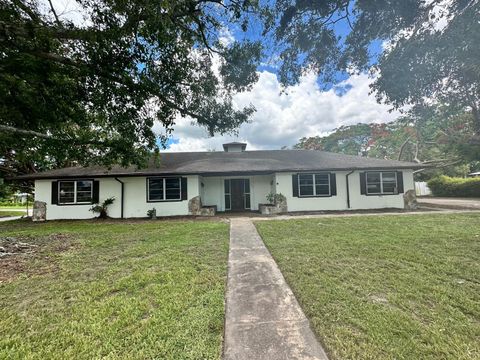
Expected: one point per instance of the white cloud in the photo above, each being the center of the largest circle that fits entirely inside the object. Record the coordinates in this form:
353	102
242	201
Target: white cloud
282	119
226	37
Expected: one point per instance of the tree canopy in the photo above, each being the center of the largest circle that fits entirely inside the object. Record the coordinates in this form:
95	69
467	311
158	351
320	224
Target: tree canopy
437	138
430	48
92	91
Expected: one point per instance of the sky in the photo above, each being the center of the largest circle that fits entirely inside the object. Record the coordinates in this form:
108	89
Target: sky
308	108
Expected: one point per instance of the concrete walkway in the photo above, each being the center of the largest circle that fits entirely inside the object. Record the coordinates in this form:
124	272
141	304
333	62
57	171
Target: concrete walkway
263	318
9	218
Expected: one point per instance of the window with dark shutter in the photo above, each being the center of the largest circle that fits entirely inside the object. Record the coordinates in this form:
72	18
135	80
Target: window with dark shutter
165	189
381	183
400	182
74	192
54	192
333	184
295	185
314	185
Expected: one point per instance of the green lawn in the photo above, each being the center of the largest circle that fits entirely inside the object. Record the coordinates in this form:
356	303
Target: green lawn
6	213
385	287
93	289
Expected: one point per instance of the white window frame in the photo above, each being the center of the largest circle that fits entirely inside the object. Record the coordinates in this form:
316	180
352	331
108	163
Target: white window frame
164	179
245	194
229	193
75	192
395	190
314	175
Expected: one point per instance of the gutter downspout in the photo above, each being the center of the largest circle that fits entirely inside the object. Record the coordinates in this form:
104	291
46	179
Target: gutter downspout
121	200
348	188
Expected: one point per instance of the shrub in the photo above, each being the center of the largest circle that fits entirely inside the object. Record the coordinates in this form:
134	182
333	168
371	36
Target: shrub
275	199
450	186
102	208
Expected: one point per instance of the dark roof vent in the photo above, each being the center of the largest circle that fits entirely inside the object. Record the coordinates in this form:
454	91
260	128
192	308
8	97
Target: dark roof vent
234	147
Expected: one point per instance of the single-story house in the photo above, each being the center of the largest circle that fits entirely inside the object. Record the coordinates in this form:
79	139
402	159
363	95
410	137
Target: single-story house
183	183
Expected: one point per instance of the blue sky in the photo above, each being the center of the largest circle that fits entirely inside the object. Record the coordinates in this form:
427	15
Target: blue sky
307	109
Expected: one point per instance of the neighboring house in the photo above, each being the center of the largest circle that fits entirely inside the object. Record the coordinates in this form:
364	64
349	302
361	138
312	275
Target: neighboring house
232	180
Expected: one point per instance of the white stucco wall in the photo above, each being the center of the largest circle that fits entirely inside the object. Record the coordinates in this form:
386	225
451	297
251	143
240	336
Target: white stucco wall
108	187
135	199
214	191
283	184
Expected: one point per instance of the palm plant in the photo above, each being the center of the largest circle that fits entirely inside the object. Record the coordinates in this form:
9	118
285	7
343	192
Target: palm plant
102	208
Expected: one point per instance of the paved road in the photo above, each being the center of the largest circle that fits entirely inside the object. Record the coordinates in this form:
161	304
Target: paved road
450	203
263	318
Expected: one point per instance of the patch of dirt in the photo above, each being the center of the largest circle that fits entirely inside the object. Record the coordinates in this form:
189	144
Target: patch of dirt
29	255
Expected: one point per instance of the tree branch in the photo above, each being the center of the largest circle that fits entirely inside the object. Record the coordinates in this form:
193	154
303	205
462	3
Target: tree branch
27	10
11	129
54	13
6	128
402	148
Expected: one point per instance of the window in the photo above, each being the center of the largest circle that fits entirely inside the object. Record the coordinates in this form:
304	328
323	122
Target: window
379	182
314	185
75	192
164	189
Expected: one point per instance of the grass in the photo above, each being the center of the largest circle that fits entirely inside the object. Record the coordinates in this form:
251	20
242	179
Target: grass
6	213
385	287
117	290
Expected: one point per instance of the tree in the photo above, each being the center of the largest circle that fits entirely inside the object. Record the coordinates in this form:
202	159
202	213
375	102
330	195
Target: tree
431	48
434	138
75	93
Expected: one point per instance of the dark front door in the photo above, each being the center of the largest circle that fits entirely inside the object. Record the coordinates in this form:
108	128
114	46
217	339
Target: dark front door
238	192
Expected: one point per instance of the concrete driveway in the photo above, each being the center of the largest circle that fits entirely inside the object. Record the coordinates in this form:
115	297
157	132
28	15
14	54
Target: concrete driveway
450	203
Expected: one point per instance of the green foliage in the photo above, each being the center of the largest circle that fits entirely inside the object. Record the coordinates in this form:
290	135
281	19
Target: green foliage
274	198
422	62
102	209
456	187
152	213
80	94
435	135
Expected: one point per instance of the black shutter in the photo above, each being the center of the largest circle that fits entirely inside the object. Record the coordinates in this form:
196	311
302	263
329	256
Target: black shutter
54	192
333	184
400	182
96	192
184	189
295	185
363	183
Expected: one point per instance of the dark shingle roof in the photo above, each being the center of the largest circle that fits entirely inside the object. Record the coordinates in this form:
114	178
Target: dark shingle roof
212	163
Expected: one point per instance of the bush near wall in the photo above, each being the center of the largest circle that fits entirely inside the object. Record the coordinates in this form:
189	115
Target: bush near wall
453	186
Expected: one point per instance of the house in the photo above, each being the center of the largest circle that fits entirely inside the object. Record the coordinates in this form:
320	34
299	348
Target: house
231	180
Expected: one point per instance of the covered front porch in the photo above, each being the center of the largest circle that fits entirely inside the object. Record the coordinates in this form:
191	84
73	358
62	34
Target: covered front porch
235	193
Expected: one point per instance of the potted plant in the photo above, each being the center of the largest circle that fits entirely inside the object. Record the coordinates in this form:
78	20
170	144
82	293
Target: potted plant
152	214
277	203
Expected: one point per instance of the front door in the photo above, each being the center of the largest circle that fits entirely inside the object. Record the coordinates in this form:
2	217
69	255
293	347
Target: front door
237	186
237	192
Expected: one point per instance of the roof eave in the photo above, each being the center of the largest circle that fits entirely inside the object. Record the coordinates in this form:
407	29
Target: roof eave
212	173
